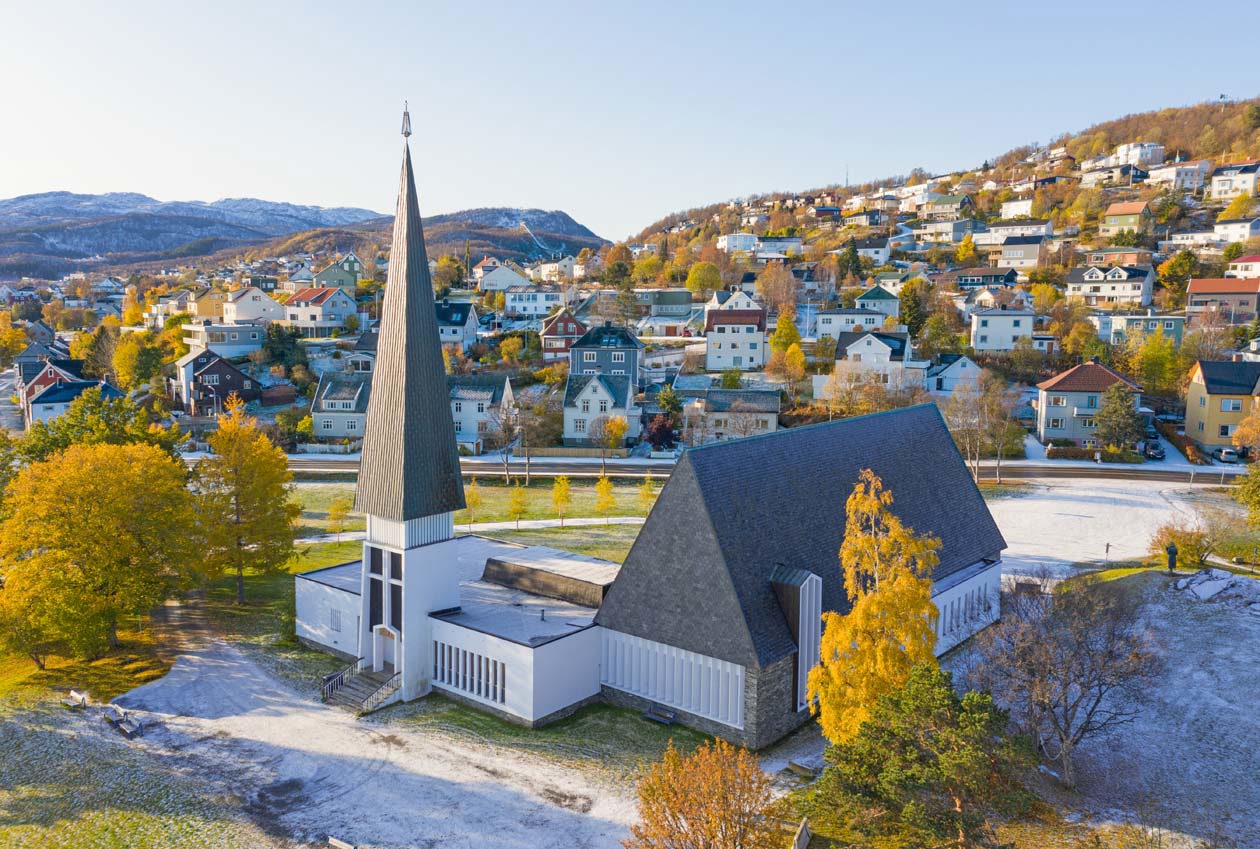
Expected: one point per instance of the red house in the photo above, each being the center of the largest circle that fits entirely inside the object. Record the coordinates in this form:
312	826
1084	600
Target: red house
559	332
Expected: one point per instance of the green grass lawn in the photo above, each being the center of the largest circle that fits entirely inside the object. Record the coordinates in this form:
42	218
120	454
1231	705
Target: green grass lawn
608	542
315	499
598	736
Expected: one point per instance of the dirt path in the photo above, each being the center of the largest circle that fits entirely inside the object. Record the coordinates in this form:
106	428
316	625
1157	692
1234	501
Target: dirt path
307	771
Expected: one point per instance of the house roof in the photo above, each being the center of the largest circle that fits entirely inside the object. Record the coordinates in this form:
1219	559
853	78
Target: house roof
453	313
409	467
741	400
1013	241
617	386
1233	377
877	293
1003	310
1001	273
1132	207
562	314
476	387
608	335
313	296
1131	272
699	575
1087	377
345	386
898	342
1223	286
1247	258
1236	168
716	317
66	391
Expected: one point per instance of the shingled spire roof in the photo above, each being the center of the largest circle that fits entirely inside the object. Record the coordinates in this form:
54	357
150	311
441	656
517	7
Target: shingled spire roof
410	466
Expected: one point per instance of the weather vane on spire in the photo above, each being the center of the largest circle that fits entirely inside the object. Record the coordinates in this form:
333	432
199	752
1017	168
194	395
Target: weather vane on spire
406	127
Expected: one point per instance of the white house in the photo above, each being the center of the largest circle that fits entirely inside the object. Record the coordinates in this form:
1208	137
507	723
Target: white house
1245	266
998	329
1230	181
588	398
477	403
1021	208
730	299
554	271
533	301
949	371
1186	176
1237	229
832	323
229	340
251	304
457	323
882	357
737	243
318	312
878	299
339	409
1131	285
735	339
500	278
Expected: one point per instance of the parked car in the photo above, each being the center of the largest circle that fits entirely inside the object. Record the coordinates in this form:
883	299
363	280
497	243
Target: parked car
1151	432
1153	451
1226	455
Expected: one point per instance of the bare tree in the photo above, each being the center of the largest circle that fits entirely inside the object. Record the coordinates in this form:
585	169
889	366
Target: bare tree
540	424
966	423
997	414
501	433
1070	663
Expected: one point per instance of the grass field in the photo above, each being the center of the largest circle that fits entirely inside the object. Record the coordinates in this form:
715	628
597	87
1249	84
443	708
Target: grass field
609	542
316	498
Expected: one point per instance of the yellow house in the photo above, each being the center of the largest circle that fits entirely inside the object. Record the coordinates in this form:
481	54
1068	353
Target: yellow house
1220	395
208	303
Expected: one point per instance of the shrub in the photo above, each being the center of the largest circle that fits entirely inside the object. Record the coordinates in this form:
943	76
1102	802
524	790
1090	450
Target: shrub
1109	455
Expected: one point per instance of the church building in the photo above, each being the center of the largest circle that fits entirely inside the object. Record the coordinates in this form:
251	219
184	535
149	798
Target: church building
715	616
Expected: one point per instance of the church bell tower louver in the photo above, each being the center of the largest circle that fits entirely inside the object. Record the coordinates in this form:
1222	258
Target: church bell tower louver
409	477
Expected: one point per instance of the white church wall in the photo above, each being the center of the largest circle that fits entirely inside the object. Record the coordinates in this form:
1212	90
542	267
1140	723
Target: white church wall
700	685
566	671
326	616
967	606
483	668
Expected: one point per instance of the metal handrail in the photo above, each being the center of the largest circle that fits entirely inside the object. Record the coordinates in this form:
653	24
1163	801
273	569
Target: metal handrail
334	681
373	701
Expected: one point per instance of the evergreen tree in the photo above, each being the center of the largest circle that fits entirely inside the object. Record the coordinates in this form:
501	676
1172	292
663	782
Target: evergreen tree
914	306
1117	420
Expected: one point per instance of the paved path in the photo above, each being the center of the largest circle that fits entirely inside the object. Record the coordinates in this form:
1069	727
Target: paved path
307	770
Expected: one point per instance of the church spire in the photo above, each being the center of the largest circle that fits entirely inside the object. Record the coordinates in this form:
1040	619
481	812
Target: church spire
410	466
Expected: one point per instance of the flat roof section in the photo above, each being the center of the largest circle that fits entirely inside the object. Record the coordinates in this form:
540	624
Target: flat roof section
515	615
345	576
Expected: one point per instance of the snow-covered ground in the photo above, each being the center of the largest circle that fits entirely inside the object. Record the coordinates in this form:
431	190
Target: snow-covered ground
1060	522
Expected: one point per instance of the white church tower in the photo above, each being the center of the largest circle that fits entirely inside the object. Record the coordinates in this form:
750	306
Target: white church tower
409	479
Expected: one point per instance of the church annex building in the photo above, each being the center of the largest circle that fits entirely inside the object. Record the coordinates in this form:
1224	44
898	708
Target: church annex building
715	614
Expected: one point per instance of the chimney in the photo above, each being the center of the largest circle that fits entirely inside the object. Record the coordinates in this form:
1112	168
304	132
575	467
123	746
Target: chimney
1094	360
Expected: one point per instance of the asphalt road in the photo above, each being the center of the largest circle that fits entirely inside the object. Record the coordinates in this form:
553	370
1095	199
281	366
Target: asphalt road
551	466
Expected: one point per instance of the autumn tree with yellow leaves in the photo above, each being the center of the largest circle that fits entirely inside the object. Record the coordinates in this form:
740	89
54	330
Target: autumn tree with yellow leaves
869	652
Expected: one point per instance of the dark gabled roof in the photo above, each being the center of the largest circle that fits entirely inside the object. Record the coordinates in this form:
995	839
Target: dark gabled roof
565	314
60	393
877	293
28	370
741	400
1229	378
1023	240
476	387
453	313
1131	272
617	385
699	575
1236	168
367	339
345	386
608	335
410	465
898	342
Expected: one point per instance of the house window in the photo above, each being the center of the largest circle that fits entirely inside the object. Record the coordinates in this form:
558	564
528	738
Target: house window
579	425
459	407
1088	424
327	425
1226	430
1231	405
586	405
481	406
603	405
619	356
212	380
588	356
1202	400
351	424
1091	401
1055	424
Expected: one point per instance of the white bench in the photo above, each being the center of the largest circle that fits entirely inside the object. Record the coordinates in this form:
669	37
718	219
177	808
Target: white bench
76	700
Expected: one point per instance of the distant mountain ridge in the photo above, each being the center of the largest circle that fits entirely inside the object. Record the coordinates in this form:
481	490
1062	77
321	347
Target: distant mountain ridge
49	234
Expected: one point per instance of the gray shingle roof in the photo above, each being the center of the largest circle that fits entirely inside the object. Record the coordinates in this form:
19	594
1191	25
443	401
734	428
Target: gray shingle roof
618	386
409	465
1230	377
345	386
476	387
608	335
698	576
742	400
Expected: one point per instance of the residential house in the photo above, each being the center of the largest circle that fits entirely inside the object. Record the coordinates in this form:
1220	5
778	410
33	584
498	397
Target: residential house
950	371
554	271
735	339
607	349
1021	208
501	278
559	331
990	297
883	357
228	340
734	298
1237	229
1022	252
300	277
714	414
590	399
318	313
207	303
31	377
977	278
878	299
1115	175
948	207
532	301
1067	404
479	402
1247	267
947	232
1000	231
1219	396
1230	181
1131	285
204	380
877	249
1133	216
737	243
339	409
40	331
786	245
864	218
484	267
343	274
1236	299
52	401
251	304
1120	256
1180	176
998	329
265	283
1116	327
457	323
834	322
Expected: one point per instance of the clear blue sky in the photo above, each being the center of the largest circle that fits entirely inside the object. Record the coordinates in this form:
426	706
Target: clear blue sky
615	113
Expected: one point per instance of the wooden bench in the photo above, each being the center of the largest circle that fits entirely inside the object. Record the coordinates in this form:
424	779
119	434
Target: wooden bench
660	714
76	700
131	727
339	844
114	714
